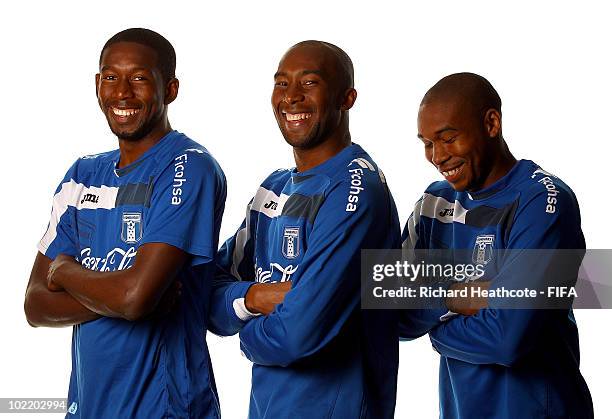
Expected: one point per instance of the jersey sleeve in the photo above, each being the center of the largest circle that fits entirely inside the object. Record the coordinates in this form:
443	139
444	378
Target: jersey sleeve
60	236
233	277
326	292
186	206
412	230
414	323
504	336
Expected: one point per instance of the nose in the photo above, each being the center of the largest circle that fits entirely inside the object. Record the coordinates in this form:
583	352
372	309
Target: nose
123	88
293	94
439	155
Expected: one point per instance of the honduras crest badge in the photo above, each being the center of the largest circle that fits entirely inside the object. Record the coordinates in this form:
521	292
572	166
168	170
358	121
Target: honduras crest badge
483	249
131	227
291	242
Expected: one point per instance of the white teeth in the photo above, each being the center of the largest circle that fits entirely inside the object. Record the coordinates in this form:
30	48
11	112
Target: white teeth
451	172
125	112
297	116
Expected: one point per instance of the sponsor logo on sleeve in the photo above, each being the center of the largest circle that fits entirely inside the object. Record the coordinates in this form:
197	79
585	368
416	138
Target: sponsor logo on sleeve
541	171
551	189
356	182
179	179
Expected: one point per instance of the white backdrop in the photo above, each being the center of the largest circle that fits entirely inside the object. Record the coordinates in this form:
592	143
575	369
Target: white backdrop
548	62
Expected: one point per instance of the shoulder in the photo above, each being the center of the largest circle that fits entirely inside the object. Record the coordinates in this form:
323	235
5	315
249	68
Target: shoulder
547	214
359	184
186	157
440	189
542	192
87	166
438	195
277	177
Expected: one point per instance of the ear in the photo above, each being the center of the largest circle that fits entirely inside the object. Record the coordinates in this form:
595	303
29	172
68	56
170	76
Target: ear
172	88
492	123
350	96
97	82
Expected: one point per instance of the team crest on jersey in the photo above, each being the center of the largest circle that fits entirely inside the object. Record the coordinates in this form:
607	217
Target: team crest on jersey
483	249
291	242
131	227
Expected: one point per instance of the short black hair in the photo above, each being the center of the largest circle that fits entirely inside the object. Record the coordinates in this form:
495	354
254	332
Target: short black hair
166	57
480	92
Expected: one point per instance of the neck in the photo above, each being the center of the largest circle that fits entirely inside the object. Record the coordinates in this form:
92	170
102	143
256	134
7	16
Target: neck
131	150
500	166
306	159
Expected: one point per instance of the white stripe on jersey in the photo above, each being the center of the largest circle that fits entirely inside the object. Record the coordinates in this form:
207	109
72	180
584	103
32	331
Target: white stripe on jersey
263	198
363	163
433	207
71	194
242	237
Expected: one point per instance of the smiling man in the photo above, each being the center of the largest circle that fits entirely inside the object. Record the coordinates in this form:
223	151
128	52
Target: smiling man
316	354
499	362
153	206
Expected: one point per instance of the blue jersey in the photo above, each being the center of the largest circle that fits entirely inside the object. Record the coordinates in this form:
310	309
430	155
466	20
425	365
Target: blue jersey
175	194
317	354
504	363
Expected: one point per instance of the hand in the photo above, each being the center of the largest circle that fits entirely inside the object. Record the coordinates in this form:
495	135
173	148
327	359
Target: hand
55	270
467	306
263	297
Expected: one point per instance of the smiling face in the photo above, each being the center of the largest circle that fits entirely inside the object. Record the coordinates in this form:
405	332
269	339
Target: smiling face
459	142
131	90
307	98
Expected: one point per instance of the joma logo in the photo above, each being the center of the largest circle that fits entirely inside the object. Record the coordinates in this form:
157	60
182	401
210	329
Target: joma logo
447	212
271	205
89	197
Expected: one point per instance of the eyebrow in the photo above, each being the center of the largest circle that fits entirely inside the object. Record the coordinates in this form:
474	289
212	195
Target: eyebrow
108	67
446	128
303	73
438	132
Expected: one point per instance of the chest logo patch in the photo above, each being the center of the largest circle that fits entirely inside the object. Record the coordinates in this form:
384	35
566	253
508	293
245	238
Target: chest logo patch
291	242
131	227
483	249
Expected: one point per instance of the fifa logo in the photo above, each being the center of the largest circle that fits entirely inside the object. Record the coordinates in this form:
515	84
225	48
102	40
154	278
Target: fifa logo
483	249
131	227
291	242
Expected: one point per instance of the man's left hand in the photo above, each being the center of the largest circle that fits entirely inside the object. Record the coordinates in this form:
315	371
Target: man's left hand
467	306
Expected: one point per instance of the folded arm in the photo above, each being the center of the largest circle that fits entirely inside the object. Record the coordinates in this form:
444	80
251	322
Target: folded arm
502	335
326	291
48	308
130	293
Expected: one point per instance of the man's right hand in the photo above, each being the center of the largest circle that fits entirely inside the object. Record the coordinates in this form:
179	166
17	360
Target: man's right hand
263	297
